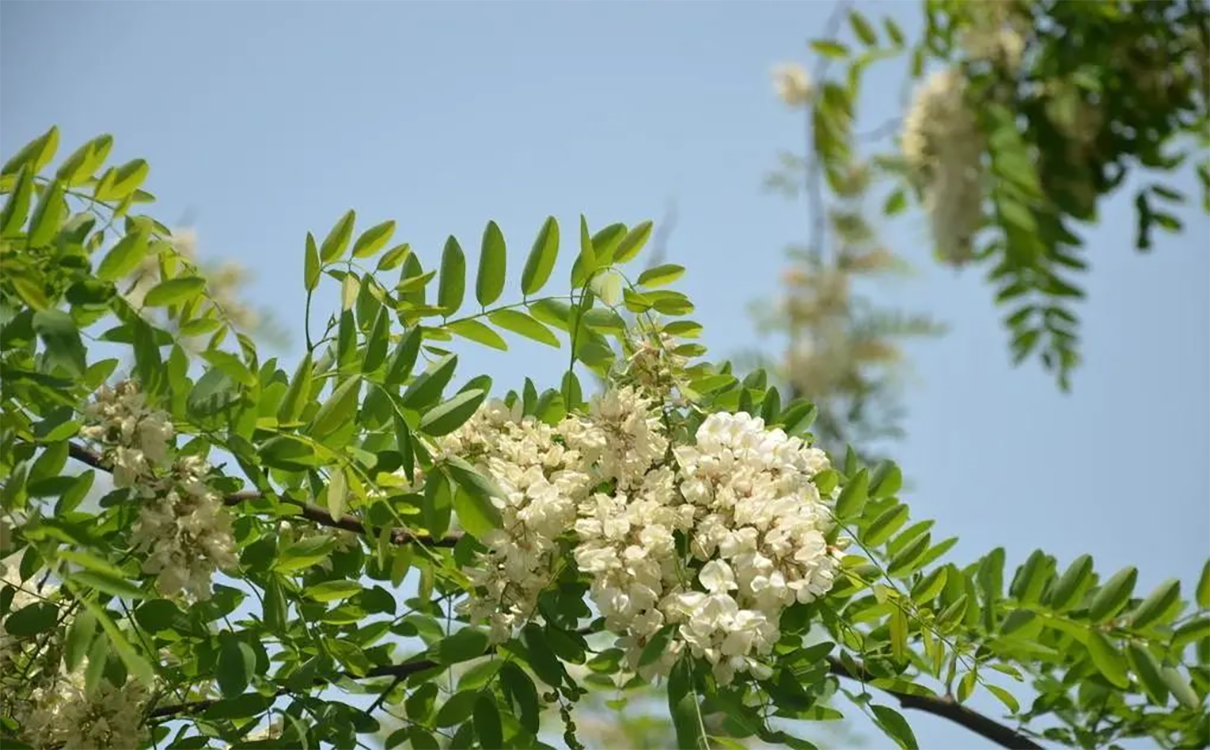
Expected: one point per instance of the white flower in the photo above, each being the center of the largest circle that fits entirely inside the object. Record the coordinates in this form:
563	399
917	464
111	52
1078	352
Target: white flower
792	84
943	147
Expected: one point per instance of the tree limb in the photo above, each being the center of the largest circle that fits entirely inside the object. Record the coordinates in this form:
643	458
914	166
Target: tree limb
310	511
947	708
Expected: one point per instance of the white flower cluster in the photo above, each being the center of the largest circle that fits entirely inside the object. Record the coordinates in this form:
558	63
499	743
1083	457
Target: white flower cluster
542	481
743	498
996	33
63	714
137	438
182	523
943	147
792	84
187	533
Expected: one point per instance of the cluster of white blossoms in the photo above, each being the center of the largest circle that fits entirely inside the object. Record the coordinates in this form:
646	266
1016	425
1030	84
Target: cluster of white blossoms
792	84
137	439
182	525
943	148
743	498
64	714
542	480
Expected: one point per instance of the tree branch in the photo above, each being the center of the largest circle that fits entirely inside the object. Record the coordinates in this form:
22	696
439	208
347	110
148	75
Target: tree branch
947	708
310	511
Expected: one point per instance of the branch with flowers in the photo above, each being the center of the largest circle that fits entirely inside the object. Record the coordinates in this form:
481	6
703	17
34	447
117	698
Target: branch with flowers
266	539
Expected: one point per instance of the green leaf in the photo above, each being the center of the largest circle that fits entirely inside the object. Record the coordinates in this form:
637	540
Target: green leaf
174	291
1071	584
107	583
373	239
31	619
886	524
1005	697
829	48
478	332
295	400
487	721
452	286
136	665
541	260
124	257
338	492
543	661
62	341
887	480
684	707
48	216
122	181
896	727
662	275
862	28
337	411
633	242
1194	630
311	266
35	154
79	639
489	282
468	643
1156	603
1107	659
1113	595
337	240
304	554
450	415
77	168
436	504
519	322
1147	669
1203	587
236	665
457	709
331	591
655	647
904	562
376	345
519	689
853	497
16	208
419	705
427	387
1180	688
588	256
404	358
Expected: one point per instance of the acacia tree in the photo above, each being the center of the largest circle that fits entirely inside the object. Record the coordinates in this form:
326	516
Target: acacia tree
276	543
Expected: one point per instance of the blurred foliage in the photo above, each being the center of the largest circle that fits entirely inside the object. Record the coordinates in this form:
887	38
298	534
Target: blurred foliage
1068	99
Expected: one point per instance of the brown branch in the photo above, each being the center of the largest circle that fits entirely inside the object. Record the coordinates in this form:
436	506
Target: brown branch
947	708
310	511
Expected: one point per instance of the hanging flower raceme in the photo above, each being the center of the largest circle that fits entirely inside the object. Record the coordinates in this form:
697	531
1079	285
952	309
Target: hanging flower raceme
182	526
943	148
542	480
65	714
743	497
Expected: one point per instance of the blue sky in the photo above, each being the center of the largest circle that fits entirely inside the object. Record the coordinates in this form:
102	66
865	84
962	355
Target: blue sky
265	120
